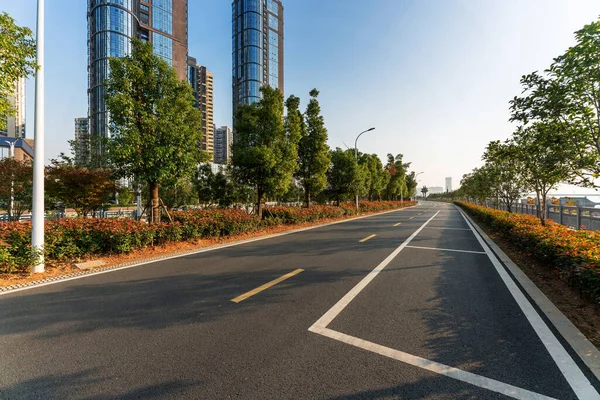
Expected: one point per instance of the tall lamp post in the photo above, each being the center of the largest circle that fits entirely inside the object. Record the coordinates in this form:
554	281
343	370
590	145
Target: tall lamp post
356	156
11	155
37	212
416	177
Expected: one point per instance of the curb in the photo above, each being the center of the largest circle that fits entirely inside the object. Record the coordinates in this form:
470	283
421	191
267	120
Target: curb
587	352
83	274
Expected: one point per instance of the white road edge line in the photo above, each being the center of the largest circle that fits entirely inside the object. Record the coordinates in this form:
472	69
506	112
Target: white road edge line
204	250
443	228
432	366
572	373
344	301
435	248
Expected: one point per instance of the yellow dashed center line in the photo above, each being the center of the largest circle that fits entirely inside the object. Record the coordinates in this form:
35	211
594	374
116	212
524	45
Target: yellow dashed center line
399	223
411	217
266	286
367	238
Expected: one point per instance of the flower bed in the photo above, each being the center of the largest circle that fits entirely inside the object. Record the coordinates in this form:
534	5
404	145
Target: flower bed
74	239
575	254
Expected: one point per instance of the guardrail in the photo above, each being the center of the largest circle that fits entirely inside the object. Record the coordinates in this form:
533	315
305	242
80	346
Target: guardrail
574	217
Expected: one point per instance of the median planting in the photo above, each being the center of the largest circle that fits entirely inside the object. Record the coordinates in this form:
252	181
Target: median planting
71	240
575	254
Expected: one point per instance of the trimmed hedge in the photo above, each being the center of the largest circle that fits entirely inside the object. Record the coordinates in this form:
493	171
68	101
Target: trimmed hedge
74	239
575	254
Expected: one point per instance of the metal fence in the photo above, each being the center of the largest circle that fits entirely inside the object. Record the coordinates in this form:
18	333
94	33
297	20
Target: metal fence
59	215
574	217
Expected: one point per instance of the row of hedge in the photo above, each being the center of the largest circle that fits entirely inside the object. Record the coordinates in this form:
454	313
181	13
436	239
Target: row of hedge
574	253
69	240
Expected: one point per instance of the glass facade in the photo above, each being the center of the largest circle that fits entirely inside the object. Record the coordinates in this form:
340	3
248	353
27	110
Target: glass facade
256	46
112	24
163	47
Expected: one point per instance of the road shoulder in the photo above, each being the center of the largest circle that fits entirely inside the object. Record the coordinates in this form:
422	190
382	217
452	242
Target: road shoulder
585	350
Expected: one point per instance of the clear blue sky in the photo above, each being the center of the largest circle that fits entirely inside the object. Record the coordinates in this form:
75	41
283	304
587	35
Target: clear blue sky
433	76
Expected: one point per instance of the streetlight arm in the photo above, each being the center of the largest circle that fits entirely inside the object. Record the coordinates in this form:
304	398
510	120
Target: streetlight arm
356	141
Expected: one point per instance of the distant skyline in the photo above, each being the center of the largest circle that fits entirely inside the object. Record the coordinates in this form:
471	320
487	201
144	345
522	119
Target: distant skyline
433	76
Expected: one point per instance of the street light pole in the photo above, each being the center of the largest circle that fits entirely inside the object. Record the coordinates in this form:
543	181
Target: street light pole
11	205
416	177
356	156
37	217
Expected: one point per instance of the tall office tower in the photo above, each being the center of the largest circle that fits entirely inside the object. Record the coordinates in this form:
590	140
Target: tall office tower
82	141
201	80
111	26
223	142
15	124
448	184
257	48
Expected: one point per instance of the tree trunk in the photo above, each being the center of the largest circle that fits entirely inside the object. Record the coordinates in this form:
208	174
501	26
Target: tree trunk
259	195
543	205
155	203
307	198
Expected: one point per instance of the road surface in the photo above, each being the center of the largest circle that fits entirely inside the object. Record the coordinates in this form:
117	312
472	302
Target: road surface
405	305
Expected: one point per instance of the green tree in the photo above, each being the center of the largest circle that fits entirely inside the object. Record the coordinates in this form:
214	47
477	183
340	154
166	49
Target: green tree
16	179
424	191
126	196
263	148
83	189
397	186
180	193
155	129
313	152
344	176
544	154
567	95
504	172
18	60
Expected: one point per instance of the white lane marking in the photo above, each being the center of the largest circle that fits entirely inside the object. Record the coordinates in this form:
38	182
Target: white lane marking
464	376
451	229
344	301
577	380
435	248
194	252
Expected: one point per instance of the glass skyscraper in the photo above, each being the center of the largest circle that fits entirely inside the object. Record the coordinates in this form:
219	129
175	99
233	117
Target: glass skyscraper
257	48
111	26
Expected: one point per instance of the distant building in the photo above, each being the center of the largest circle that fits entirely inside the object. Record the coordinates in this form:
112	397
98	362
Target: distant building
23	148
15	124
257	48
82	141
223	142
435	190
448	184
112	24
201	80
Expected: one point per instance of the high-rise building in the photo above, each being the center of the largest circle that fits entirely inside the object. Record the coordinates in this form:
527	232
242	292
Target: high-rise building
15	124
257	48
223	142
82	141
111	26
449	184
201	80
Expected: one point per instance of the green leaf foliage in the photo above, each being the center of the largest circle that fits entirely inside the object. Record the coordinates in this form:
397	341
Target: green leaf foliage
156	130
18	60
264	149
313	152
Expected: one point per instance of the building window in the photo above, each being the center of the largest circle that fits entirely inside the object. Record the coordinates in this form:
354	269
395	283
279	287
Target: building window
162	20
273	22
163	47
272	7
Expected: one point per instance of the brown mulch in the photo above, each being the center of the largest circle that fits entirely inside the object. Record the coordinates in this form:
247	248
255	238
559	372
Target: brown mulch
52	271
582	311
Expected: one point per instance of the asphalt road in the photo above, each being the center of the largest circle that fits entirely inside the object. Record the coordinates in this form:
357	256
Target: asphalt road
418	311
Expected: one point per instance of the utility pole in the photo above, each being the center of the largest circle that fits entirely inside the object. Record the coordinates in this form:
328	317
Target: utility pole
37	217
